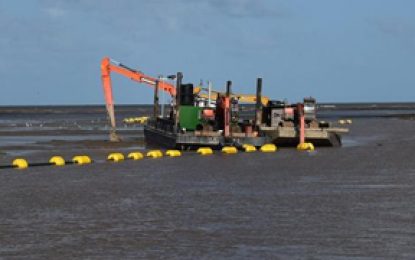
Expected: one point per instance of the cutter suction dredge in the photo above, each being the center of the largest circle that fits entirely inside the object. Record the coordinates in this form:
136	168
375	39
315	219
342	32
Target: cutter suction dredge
204	117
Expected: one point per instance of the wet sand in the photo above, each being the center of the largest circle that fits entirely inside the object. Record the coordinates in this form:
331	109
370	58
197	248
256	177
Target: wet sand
335	203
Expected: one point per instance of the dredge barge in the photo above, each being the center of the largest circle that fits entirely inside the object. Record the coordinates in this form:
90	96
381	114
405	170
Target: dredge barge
200	117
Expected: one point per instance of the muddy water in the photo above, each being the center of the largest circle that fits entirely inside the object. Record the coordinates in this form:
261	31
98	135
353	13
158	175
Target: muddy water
350	202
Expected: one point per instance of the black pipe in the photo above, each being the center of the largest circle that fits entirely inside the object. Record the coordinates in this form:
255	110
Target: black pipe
179	79
7	166
126	67
258	106
228	88
40	164
156	100
34	165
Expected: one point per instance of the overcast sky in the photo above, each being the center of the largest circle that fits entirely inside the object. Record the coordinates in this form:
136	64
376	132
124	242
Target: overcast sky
334	50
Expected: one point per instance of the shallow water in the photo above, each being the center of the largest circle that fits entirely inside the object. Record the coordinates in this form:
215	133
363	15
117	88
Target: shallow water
31	125
334	203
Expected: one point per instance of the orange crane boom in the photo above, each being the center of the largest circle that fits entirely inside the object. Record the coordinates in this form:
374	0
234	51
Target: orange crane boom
108	66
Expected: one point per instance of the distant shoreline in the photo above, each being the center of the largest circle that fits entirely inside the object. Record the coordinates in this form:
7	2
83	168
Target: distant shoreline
321	106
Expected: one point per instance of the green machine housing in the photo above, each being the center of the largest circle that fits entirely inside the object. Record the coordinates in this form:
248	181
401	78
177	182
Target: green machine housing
190	117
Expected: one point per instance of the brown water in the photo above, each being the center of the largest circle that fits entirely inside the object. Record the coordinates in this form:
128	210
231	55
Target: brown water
334	203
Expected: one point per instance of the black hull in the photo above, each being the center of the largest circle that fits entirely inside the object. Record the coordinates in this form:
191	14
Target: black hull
167	139
161	133
185	141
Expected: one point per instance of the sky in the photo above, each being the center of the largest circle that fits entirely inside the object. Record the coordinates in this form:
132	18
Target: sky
333	50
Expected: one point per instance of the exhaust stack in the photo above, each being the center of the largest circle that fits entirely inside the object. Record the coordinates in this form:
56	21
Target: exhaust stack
179	79
258	106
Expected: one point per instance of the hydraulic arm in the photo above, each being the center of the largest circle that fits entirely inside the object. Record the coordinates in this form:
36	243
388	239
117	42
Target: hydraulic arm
107	66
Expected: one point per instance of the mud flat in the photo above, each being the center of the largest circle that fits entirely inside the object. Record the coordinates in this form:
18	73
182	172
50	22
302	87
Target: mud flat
335	203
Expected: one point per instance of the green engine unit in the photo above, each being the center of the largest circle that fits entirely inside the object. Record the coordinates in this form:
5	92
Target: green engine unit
190	117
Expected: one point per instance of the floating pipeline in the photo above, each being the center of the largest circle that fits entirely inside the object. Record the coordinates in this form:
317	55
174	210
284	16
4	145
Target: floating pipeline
136	120
154	154
205	151
115	157
22	163
305	147
229	150
81	159
249	148
173	153
268	148
135	156
58	161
